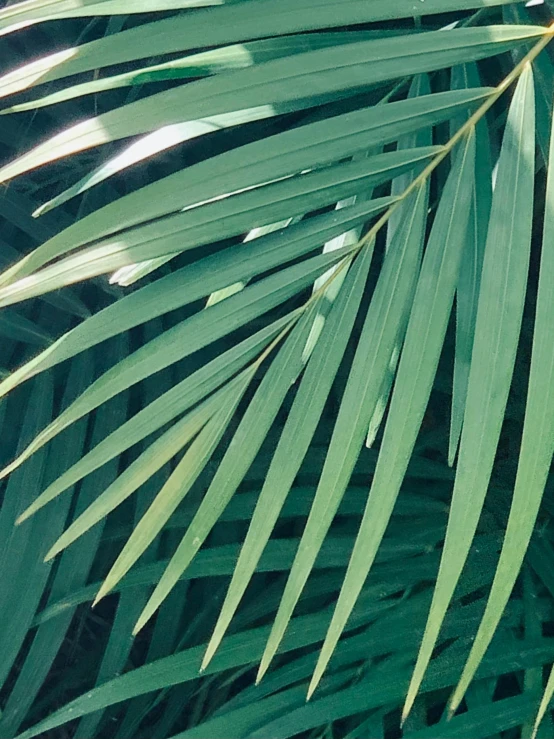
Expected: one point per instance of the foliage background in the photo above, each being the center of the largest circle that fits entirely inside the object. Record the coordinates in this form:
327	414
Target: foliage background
80	669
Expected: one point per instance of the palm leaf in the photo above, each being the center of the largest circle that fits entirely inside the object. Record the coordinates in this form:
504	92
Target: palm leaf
428	319
337	68
535	456
180	398
241	648
284	322
419	86
252	165
182	33
296	437
248	438
180	481
365	380
222	218
467	293
502	293
182	341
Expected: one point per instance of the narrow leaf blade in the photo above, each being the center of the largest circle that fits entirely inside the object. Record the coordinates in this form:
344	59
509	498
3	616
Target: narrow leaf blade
501	300
428	321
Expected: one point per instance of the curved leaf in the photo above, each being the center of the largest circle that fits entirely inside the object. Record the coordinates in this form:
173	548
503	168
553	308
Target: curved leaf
222	218
246	442
147	464
302	421
380	331
179	482
23	14
254	164
181	33
195	281
499	314
537	445
432	304
183	340
283	80
467	292
203	64
165	408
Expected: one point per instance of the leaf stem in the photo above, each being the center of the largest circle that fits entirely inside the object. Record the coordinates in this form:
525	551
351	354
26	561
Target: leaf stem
417	181
461	132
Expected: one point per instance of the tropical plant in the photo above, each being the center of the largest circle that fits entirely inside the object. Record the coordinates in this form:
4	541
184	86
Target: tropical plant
321	367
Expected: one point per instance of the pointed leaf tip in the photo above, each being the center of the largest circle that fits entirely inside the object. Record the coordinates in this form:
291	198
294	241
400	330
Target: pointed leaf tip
497	329
427	327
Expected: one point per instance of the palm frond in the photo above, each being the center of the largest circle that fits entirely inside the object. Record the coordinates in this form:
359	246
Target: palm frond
247	388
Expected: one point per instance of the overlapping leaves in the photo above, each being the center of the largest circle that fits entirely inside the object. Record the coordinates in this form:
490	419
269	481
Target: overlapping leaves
295	178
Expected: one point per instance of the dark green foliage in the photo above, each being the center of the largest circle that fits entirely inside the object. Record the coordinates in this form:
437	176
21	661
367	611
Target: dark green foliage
277	373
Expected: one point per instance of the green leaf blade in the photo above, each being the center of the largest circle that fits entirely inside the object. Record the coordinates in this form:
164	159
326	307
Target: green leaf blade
181	33
467	294
248	438
426	328
254	164
536	451
331	70
295	439
184	286
140	471
179	482
501	300
182	340
221	218
381	327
